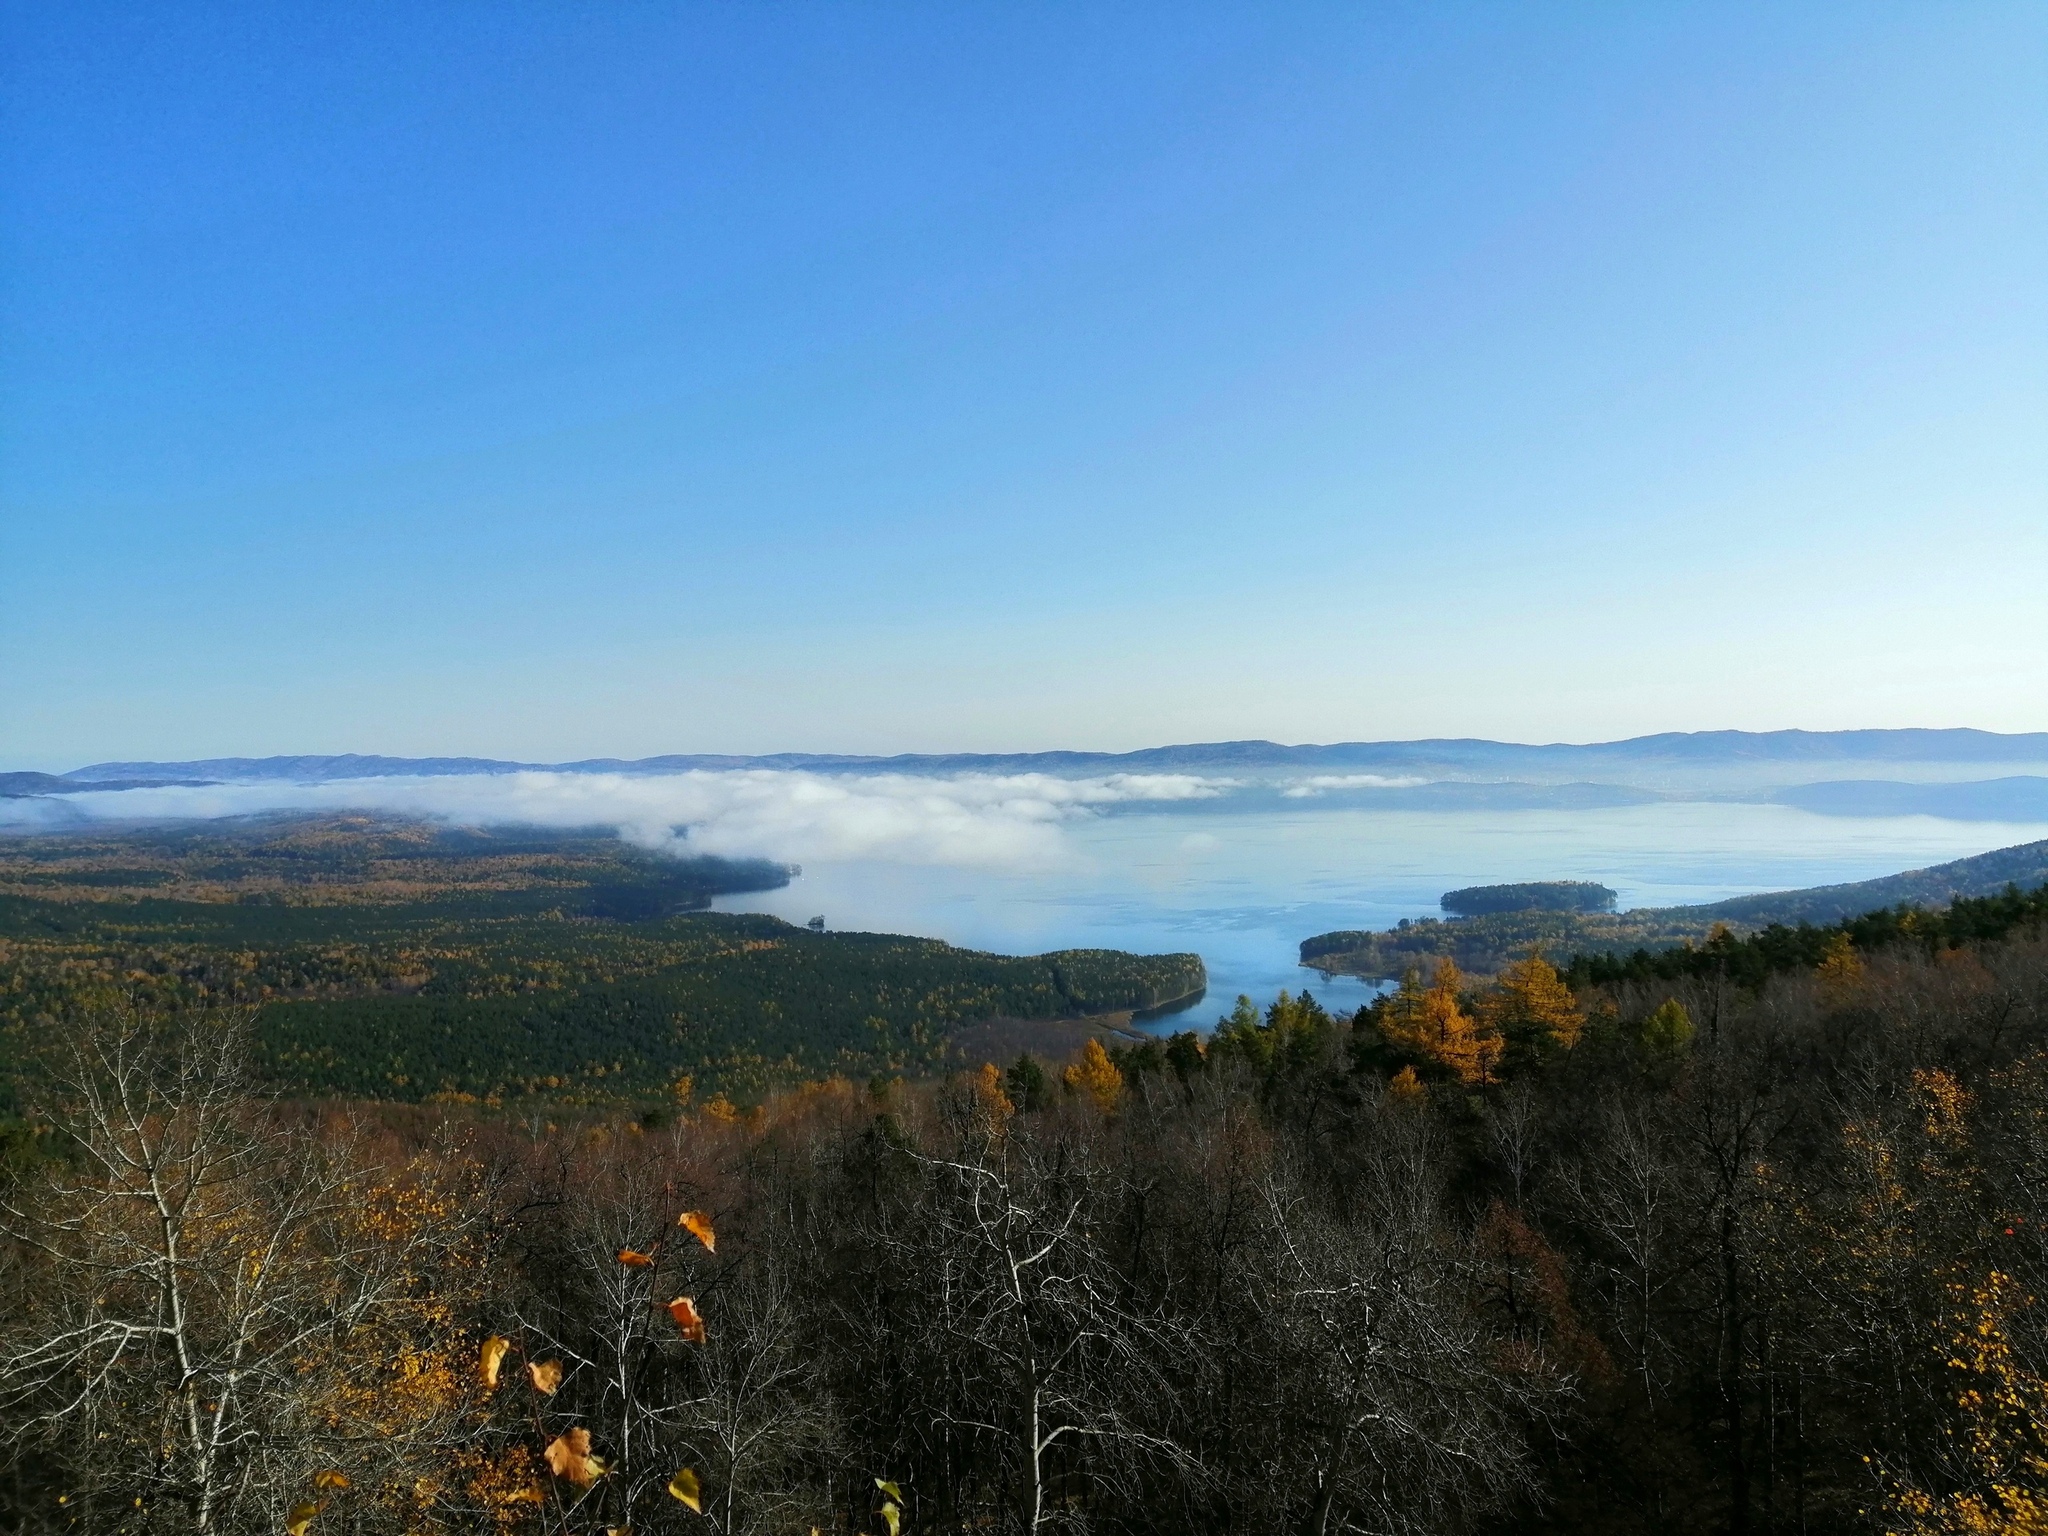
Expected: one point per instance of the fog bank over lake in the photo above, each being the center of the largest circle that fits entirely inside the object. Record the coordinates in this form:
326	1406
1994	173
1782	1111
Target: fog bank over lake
1235	850
1243	888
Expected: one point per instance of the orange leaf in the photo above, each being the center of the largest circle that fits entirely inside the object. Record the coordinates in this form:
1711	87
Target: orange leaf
546	1375
492	1357
569	1457
633	1258
684	1310
301	1517
328	1477
698	1225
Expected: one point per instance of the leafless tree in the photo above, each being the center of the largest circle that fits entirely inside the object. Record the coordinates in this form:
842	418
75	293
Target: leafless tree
194	1359
1621	1190
1404	1412
1049	1346
740	1407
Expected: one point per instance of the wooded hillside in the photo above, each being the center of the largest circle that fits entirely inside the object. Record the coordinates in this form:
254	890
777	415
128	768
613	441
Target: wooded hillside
399	961
1754	1246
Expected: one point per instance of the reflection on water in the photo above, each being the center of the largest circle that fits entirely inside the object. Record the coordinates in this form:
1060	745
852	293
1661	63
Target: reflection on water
1244	890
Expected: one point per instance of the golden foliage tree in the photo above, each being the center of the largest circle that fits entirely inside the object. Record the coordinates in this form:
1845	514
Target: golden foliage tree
1531	1004
1096	1075
1840	968
1432	1022
2004	1431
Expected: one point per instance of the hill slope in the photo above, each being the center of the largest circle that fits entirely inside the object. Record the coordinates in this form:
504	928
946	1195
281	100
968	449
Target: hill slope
1483	944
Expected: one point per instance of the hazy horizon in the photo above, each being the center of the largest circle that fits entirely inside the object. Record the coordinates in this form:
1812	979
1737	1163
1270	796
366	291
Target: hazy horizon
1875	749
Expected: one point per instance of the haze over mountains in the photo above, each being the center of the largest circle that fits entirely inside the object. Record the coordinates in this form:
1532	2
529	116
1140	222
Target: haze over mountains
1775	753
1946	773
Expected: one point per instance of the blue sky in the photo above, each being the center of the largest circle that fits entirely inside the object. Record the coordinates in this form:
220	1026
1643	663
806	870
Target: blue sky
561	380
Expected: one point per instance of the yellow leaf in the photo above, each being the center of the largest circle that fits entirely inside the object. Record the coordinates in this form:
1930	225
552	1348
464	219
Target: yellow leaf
893	1514
546	1376
684	1486
890	1489
688	1318
698	1225
328	1477
301	1517
633	1258
569	1458
493	1356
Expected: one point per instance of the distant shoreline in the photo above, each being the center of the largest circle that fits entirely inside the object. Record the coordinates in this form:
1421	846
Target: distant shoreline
1482	945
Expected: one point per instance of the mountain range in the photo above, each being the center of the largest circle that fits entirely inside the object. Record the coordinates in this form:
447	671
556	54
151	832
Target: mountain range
1780	756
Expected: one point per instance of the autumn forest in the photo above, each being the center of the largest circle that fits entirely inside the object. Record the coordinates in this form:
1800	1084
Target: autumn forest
1744	1241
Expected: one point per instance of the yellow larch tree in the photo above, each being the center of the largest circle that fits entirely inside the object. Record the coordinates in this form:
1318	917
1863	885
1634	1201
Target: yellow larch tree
1432	1022
1096	1075
1531	1003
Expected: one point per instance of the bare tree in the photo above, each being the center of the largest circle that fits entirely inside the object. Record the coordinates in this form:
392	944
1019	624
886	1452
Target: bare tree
731	1399
1622	1192
196	1357
1047	1345
1390	1393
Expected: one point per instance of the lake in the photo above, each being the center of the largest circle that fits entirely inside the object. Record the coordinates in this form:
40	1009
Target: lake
1244	889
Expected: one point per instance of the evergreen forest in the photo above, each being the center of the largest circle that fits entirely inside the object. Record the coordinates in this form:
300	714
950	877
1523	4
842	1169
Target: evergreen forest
401	961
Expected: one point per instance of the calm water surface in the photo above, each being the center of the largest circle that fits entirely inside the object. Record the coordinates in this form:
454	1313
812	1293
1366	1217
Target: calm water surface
1244	890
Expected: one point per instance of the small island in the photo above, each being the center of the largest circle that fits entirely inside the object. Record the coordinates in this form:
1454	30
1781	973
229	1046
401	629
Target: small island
1530	896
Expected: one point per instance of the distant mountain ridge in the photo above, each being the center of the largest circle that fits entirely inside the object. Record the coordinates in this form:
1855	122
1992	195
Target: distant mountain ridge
1694	749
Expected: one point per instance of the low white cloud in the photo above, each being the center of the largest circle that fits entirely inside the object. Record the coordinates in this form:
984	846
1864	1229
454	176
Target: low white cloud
1304	789
972	819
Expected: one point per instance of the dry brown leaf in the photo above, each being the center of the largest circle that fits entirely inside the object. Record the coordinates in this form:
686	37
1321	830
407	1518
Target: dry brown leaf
698	1225
328	1477
684	1486
301	1517
546	1375
569	1458
633	1258
684	1310
492	1357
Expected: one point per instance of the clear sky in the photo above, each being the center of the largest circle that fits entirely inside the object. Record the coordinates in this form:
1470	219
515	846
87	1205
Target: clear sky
559	380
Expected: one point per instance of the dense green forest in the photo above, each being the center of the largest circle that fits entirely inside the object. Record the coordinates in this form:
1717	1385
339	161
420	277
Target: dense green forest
1529	896
399	961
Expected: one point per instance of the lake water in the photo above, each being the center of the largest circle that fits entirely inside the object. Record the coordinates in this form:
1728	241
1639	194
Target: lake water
1243	890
